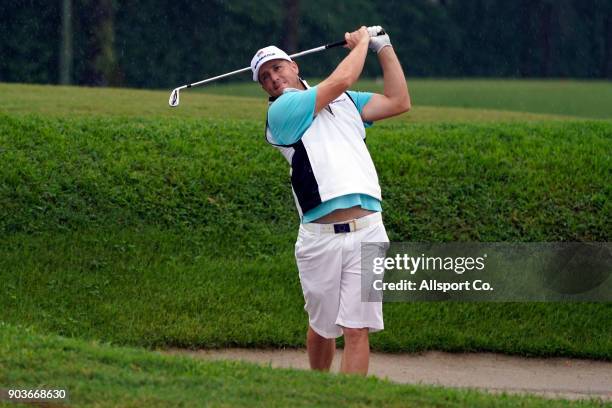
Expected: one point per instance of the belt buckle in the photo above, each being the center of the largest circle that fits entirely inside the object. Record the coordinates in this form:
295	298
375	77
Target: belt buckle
345	227
342	228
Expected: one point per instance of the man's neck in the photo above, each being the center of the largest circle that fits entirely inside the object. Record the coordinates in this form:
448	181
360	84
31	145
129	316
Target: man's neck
301	84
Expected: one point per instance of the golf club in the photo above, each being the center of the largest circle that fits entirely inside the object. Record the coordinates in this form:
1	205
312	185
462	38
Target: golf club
174	96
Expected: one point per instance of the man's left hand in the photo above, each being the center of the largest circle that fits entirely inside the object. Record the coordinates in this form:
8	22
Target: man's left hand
378	42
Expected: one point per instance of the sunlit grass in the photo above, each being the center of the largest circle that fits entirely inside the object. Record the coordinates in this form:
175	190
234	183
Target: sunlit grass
217	103
589	99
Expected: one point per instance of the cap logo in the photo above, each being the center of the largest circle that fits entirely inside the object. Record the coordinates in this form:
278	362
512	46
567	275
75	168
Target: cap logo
262	58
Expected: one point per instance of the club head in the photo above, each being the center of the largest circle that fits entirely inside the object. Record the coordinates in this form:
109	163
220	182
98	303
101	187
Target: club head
174	98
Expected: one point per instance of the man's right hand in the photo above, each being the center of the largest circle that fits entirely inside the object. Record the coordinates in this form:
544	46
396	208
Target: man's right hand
356	37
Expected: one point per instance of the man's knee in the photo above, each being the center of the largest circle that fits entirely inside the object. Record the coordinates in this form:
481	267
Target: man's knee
352	335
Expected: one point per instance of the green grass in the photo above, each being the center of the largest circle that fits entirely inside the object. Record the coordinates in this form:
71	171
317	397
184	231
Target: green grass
159	289
230	105
502	182
588	99
433	100
128	222
158	232
96	374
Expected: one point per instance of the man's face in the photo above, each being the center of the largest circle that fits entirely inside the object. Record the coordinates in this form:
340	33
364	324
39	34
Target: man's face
276	75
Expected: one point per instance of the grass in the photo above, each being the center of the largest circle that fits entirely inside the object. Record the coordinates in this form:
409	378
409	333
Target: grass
97	374
127	222
230	105
539	182
588	99
146	232
157	289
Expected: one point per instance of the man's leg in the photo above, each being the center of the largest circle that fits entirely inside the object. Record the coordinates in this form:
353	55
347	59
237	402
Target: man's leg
320	350
356	356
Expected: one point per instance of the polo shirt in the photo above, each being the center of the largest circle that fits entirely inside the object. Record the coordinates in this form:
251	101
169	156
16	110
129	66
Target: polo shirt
288	119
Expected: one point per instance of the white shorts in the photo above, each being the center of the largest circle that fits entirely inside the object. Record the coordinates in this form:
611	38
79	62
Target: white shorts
329	265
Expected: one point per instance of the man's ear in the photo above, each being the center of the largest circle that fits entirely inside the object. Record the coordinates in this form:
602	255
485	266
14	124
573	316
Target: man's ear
296	68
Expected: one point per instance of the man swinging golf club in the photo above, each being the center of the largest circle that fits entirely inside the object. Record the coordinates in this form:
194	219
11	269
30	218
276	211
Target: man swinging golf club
321	132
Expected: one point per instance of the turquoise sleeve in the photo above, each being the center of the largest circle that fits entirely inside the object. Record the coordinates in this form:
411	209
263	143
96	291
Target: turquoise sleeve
291	115
361	99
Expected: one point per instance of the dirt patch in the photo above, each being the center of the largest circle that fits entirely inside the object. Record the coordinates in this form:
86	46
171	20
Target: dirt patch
550	377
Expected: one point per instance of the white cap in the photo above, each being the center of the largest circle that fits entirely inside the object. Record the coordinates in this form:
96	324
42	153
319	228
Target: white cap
264	55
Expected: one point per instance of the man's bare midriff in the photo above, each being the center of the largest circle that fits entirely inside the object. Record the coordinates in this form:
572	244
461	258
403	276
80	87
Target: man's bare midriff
343	214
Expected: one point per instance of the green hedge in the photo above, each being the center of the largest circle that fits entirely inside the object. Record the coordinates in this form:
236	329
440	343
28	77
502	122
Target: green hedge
499	182
181	232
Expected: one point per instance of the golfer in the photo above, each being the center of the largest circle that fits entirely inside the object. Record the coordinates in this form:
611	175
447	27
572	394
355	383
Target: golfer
321	132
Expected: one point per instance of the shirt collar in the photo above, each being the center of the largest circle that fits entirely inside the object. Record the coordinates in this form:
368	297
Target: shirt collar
273	98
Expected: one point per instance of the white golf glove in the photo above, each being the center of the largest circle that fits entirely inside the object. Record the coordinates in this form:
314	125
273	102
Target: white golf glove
378	42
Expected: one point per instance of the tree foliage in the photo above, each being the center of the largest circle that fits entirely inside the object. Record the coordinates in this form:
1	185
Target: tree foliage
155	43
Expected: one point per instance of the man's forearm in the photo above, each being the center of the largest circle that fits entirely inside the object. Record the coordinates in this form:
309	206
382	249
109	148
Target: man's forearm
395	86
347	72
351	66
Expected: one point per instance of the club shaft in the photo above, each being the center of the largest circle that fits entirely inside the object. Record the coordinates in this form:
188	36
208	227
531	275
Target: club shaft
174	96
238	71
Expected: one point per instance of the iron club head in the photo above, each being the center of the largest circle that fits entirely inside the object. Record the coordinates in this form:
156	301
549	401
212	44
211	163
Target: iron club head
174	98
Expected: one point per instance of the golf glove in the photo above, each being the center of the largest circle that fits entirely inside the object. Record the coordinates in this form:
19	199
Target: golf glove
378	42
